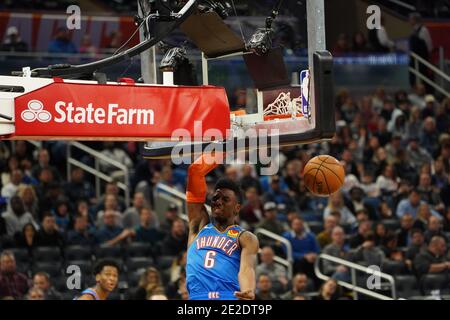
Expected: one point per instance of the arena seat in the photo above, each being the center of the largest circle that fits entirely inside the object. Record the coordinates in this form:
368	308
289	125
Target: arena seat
165	262
393	267
431	282
22	255
407	286
52	268
78	253
138	249
47	254
137	263
105	251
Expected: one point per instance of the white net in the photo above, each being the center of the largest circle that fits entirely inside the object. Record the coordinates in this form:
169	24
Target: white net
284	106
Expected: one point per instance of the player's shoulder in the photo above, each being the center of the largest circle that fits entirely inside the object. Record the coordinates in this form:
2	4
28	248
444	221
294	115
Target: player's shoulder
248	238
86	296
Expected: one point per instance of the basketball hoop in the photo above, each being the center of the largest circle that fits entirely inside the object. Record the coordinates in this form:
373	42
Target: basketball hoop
283	108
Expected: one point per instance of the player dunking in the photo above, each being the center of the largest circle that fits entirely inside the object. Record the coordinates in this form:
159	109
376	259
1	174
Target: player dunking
221	256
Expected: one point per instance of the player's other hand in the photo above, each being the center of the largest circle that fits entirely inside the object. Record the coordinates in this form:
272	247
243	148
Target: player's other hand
245	295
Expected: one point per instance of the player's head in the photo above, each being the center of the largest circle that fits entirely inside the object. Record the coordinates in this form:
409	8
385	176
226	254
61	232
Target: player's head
107	274
226	201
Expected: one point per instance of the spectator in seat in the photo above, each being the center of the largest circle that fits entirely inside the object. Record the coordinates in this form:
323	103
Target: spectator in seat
404	233
44	163
48	235
176	241
248	179
420	43
359	43
3	231
12	283
270	220
16	217
388	181
11	188
439	177
112	189
30	200
11	164
329	291
414	125
411	205
61	43
429	193
110	204
417	155
276	272
336	203
380	233
111	233
176	290
432	260
130	218
417	244
149	283
342	46
81	235
430	108
252	209
446	221
41	280
13	42
299	287
423	216
87	47
171	215
434	228
63	216
277	194
397	124
363	228
367	253
429	136
304	247
337	248
264	288
178	265
390	248
27	238
356	202
35	293
324	237
78	188
145	232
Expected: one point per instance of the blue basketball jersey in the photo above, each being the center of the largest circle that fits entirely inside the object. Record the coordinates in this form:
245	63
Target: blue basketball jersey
91	292
213	263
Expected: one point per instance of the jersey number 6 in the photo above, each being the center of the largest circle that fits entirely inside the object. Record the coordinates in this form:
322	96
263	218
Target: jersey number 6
209	259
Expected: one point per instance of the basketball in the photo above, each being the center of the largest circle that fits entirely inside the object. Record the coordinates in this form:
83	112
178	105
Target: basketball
323	175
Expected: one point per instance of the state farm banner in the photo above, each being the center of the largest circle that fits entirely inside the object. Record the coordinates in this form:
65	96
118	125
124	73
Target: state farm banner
64	110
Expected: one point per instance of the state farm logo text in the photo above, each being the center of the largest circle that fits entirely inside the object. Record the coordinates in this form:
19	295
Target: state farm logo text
66	112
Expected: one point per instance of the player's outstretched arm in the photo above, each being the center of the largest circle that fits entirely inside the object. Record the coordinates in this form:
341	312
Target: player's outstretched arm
247	279
196	192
